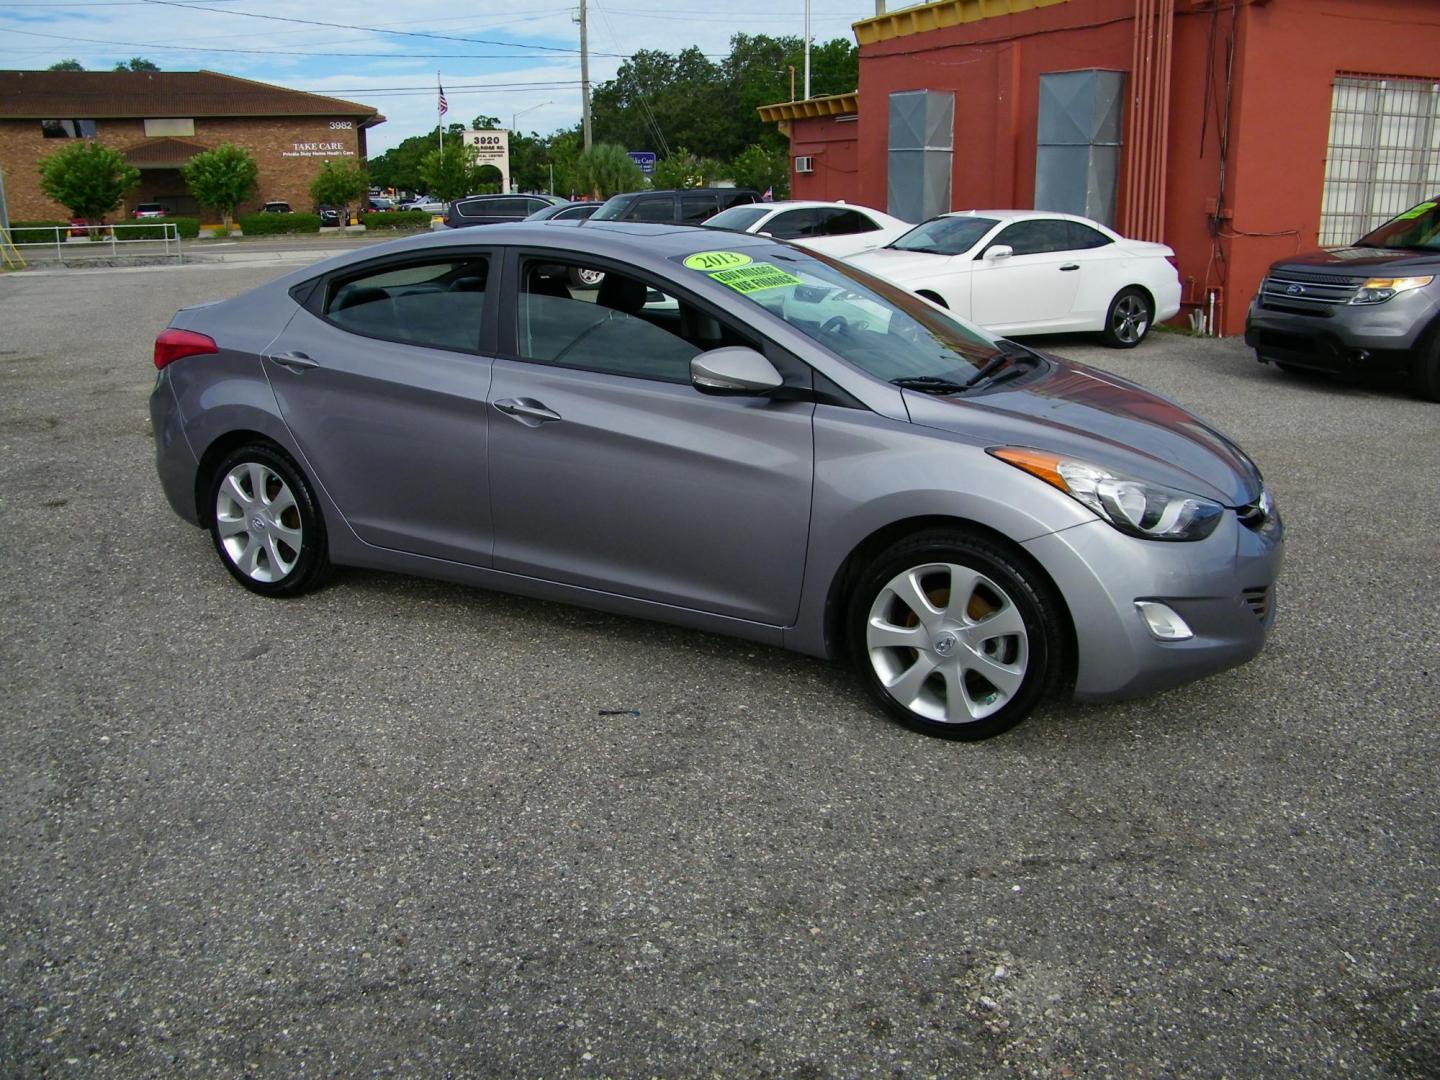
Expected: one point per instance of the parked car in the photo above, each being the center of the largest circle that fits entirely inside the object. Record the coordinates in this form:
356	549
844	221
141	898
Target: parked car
331	217
1373	307
276	208
688	206
1034	272
495	209
836	228
430	206
377	203
149	210
576	211
744	438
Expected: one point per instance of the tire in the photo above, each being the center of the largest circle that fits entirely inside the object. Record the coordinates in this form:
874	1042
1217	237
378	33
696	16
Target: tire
965	672
586	279
1128	320
1426	375
265	523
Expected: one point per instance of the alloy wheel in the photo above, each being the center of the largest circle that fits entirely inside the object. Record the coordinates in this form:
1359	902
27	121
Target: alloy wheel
258	522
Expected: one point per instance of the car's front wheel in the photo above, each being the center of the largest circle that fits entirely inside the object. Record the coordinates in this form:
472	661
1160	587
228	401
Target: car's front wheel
265	523
1128	320
955	635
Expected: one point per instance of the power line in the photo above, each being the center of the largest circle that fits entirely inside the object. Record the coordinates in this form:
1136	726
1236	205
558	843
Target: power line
147	45
372	29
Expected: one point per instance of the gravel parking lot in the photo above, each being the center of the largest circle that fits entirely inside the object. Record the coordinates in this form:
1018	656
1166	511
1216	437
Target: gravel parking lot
382	830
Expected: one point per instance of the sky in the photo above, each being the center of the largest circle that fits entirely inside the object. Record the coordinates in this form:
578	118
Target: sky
518	62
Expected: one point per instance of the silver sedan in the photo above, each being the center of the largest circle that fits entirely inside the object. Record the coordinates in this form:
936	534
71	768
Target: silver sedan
729	434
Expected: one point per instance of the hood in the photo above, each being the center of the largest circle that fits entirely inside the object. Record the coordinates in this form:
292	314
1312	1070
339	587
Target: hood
901	265
1357	260
1096	417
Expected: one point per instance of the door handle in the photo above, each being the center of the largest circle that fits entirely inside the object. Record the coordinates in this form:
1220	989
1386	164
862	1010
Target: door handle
295	361
1070	266
527	410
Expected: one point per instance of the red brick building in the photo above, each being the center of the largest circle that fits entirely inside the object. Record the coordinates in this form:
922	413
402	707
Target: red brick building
160	119
1236	131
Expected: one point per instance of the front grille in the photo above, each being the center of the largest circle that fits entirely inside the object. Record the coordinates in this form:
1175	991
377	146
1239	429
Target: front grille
1257	600
1306	292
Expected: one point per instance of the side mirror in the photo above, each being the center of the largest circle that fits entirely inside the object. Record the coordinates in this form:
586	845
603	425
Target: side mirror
734	369
999	251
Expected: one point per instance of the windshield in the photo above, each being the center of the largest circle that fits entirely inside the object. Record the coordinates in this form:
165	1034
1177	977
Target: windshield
611	208
1418	229
867	322
945	235
738	218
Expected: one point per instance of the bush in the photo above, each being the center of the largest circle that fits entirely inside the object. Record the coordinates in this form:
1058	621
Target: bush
153	228
396	219
278	224
36	232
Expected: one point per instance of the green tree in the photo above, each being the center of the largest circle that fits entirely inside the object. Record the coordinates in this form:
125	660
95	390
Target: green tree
68	64
339	183
606	169
136	63
759	168
87	177
682	169
221	178
452	173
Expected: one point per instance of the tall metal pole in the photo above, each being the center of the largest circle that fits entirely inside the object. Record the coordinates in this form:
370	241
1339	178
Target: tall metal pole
807	50
584	77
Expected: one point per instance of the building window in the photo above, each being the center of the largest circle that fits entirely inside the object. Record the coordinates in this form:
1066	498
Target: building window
1384	153
68	129
159	128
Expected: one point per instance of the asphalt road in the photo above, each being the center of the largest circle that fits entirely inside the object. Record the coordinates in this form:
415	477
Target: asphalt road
382	830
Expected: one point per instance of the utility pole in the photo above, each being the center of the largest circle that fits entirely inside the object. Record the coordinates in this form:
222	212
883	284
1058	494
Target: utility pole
807	49
584	77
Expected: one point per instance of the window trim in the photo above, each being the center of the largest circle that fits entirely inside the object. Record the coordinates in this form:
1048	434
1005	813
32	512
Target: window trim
322	290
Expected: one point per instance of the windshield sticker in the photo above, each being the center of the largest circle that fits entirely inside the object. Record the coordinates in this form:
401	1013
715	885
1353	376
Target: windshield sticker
716	260
1419	211
754	278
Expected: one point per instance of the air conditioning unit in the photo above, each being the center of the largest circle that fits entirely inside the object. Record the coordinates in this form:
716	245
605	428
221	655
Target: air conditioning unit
805	164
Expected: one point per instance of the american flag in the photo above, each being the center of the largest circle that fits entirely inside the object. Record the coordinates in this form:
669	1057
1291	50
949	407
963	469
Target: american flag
444	106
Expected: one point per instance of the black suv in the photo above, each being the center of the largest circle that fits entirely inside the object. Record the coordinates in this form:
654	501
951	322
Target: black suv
1371	307
495	209
688	206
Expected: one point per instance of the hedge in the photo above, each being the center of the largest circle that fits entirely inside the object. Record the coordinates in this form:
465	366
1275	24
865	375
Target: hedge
40	232
189	228
396	219
277	224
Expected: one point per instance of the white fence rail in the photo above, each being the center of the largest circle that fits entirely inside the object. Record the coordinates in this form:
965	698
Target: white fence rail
89	242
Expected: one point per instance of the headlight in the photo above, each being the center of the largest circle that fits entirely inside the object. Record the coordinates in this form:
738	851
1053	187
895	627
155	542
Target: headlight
1379	289
1138	507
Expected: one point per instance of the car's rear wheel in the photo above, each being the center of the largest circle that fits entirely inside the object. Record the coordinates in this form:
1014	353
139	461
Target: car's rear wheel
265	523
584	278
1128	320
955	635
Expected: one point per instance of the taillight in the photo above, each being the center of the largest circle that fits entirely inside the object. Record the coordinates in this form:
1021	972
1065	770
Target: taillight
173	344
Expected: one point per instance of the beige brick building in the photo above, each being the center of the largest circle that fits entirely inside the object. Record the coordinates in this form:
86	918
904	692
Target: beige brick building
159	120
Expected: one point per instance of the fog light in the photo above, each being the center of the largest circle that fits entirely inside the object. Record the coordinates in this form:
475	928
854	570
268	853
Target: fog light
1164	623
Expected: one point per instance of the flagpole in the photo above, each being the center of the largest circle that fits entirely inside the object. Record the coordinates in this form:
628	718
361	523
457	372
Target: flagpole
440	110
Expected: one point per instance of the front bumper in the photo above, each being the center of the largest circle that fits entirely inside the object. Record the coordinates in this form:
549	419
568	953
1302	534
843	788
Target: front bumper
1222	586
1354	340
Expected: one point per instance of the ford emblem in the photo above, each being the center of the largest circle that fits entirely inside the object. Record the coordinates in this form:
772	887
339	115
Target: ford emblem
1295	290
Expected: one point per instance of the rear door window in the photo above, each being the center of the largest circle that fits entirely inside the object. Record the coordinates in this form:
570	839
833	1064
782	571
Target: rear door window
440	303
696	206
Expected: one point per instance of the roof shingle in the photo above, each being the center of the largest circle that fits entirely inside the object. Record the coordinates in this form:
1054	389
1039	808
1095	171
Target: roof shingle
102	95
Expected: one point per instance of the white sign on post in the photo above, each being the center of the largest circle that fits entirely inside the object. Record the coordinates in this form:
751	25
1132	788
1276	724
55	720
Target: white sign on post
491	148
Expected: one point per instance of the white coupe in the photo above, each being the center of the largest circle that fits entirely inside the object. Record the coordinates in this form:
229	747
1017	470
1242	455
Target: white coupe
1033	272
831	228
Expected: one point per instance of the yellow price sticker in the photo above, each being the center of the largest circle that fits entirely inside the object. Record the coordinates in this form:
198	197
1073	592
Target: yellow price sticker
1409	215
756	278
716	260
